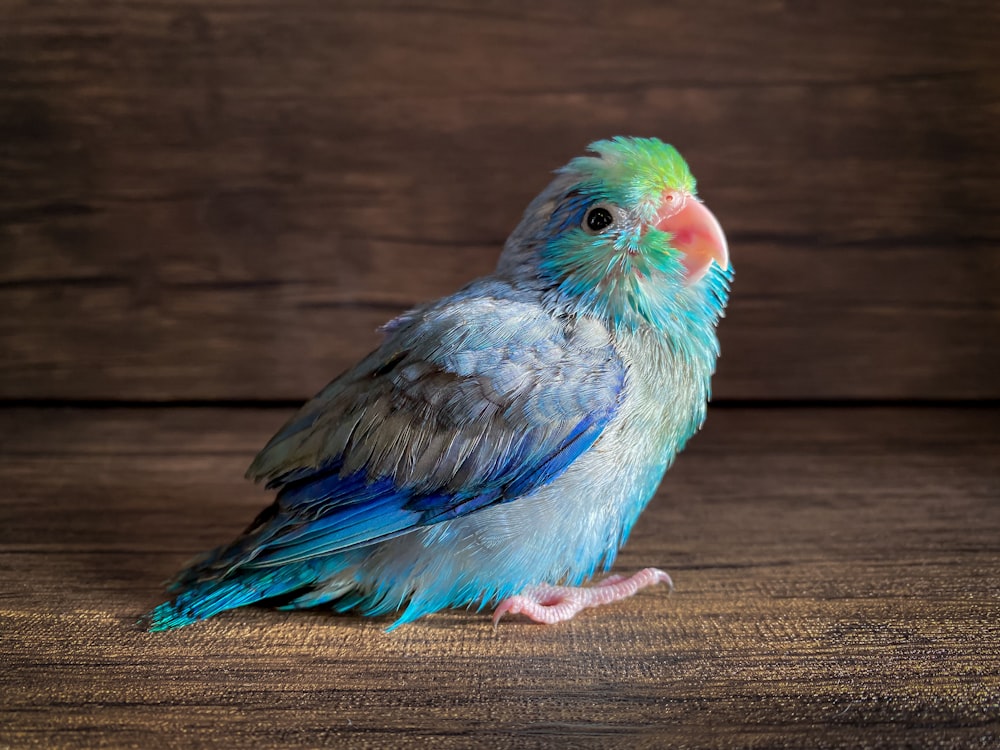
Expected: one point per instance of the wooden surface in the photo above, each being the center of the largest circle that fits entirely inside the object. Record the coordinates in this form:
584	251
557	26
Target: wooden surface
837	571
216	199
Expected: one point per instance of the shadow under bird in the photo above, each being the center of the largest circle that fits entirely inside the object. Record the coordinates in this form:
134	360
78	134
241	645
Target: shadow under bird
497	447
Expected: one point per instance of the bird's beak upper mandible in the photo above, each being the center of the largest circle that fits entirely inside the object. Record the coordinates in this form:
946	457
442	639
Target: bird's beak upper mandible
696	233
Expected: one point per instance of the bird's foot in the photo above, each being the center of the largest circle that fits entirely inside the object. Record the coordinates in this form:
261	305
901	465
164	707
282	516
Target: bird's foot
550	604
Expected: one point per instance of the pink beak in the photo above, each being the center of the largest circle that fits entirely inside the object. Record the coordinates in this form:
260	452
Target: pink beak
696	233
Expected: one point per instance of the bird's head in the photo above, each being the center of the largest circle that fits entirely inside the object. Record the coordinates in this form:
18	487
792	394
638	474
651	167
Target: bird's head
621	235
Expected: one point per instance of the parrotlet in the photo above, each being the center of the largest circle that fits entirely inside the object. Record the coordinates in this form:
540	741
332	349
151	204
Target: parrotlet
500	443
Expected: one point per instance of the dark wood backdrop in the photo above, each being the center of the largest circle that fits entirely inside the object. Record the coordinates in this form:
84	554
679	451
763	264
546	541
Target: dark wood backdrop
222	199
214	203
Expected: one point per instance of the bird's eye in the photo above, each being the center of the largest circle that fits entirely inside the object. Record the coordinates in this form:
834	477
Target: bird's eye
598	219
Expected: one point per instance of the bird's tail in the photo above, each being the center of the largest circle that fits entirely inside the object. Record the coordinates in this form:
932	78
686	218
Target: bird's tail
199	600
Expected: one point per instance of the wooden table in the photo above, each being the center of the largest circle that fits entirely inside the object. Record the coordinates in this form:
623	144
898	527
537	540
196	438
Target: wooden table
837	585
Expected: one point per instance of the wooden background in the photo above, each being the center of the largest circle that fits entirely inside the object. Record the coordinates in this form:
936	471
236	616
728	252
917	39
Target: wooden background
222	200
208	206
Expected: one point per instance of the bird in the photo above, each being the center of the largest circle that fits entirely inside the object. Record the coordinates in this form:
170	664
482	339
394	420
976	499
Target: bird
498	445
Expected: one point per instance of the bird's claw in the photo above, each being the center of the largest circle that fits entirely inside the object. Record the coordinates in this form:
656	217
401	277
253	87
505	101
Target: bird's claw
552	604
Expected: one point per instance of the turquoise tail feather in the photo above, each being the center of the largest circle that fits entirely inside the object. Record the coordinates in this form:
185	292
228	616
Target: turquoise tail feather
199	601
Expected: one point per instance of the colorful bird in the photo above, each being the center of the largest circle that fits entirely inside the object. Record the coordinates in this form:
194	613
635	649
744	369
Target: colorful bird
499	444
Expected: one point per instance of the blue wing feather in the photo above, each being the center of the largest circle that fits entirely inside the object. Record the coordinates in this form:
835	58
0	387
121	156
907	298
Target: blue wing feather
357	511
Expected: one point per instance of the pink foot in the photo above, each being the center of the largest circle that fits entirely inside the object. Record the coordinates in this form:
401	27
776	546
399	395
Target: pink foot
551	604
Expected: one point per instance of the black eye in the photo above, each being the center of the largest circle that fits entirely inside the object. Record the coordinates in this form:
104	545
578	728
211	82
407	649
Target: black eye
598	219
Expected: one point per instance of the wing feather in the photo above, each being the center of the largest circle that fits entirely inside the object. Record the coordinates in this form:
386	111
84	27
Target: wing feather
474	401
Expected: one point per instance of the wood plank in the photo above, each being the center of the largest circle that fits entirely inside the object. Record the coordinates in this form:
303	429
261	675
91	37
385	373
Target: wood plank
837	586
178	181
790	333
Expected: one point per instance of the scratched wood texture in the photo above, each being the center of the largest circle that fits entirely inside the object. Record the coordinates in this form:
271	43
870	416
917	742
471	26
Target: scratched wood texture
837	571
221	199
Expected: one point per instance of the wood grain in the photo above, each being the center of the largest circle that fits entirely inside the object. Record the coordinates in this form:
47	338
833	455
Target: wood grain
837	586
187	189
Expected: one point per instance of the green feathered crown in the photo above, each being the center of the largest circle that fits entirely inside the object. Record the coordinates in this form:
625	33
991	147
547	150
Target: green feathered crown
632	172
